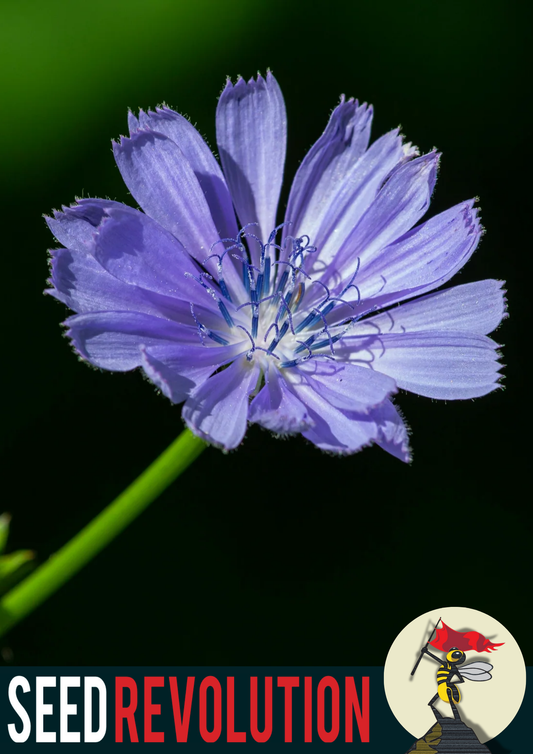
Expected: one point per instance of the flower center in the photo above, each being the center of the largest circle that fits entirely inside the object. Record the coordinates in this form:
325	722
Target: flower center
286	309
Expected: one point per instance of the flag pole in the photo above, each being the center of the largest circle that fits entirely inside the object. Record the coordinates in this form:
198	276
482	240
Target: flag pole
422	650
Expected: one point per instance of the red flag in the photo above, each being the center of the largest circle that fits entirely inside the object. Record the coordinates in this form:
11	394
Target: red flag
447	638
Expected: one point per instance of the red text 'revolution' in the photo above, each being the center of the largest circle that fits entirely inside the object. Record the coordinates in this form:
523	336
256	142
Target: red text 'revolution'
214	700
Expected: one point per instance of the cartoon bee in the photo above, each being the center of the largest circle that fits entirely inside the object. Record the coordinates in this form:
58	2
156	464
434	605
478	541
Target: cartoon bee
448	691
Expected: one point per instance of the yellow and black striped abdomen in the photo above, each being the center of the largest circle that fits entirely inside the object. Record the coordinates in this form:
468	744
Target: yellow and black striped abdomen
443	680
443	673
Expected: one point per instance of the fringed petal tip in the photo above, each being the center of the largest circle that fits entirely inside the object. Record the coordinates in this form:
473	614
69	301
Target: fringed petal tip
505	307
242	86
390	432
76	342
394	435
140	136
352	105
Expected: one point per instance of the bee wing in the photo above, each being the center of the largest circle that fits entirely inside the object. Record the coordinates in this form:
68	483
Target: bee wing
477	671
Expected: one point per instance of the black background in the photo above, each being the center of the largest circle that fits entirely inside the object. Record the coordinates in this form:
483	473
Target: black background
275	553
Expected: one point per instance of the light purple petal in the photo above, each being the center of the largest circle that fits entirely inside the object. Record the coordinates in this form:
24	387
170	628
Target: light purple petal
347	386
162	180
276	408
133	248
473	308
201	160
333	221
75	226
137	250
393	433
329	163
333	429
251	135
445	365
347	432
400	203
82	284
177	370
218	410
112	340
421	260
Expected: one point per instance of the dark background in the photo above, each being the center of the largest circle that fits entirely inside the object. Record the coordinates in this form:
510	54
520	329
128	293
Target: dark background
275	553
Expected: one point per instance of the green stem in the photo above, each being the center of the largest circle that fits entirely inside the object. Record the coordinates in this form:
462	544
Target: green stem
82	548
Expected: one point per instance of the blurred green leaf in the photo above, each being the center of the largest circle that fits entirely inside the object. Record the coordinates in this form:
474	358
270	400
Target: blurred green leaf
15	566
5	520
9	564
64	64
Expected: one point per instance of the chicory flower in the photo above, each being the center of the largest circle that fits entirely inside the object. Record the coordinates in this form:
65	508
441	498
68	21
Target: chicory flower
292	326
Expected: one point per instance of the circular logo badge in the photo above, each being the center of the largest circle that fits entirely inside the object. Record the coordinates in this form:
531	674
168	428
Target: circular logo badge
454	672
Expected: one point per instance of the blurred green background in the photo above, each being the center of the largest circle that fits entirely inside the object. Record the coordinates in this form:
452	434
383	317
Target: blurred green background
274	554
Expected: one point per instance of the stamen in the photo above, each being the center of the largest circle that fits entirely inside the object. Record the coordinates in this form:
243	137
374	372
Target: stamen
201	328
323	318
294	362
217	338
225	313
312	318
221	281
353	276
281	334
273	325
297	296
332	339
242	232
285	292
295	271
250	352
283	281
266	276
305	323
289	313
255	313
205	331
306	344
275	231
254	347
319	282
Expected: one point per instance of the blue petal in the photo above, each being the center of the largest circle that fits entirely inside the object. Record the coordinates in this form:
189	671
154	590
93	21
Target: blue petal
162	180
251	136
80	282
335	430
327	166
276	408
112	340
201	160
177	370
472	308
393	432
345	386
75	226
138	251
422	259
333	219
217	411
400	203
445	365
